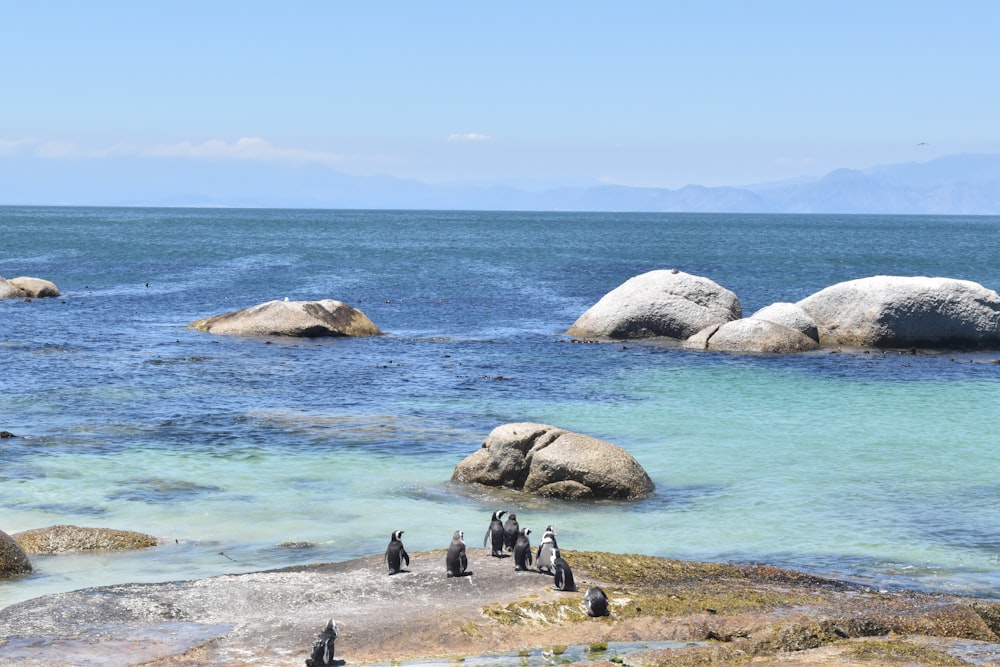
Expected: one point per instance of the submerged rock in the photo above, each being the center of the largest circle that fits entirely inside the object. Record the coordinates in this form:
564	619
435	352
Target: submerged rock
896	311
665	303
58	539
307	319
13	559
548	461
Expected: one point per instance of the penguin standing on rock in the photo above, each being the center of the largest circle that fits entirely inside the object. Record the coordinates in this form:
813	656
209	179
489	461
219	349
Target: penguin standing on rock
595	601
562	574
322	652
522	551
545	548
456	561
395	554
511	531
495	535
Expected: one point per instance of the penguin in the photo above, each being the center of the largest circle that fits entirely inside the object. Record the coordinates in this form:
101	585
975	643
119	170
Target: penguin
456	560
495	534
562	574
322	652
595	601
395	554
511	530
522	551
544	556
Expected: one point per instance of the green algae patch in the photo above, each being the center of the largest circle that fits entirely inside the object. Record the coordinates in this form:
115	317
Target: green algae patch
900	652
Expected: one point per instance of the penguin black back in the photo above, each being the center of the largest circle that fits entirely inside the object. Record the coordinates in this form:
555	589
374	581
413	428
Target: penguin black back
455	560
522	550
322	652
511	531
495	533
395	554
562	574
595	601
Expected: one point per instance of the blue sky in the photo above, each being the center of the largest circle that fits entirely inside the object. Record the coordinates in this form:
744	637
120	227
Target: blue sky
638	93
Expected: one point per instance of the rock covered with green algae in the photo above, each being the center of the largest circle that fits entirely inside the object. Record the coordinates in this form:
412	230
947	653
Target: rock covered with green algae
63	538
721	613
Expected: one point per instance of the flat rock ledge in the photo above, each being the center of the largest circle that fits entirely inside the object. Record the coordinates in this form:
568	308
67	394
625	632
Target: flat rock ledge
304	319
548	461
63	538
716	613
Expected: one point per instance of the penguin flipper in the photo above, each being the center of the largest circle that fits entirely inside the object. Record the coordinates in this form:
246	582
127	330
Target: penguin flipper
406	557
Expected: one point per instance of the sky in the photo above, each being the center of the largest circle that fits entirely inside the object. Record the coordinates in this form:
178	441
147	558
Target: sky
647	93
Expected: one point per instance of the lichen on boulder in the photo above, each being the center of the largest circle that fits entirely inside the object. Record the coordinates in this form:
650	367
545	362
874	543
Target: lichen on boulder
549	461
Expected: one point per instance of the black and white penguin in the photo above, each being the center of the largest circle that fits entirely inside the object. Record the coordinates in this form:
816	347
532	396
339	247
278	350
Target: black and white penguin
522	550
563	576
545	548
494	534
322	652
395	554
456	560
595	601
511	530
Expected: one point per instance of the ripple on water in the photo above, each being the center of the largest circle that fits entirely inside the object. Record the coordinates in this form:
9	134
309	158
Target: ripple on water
161	490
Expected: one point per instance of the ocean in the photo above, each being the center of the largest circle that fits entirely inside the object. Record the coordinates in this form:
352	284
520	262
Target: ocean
247	454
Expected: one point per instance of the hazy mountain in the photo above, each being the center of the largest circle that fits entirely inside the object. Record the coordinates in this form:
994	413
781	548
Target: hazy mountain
956	184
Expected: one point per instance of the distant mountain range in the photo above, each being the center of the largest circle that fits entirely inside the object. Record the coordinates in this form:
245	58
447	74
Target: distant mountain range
967	184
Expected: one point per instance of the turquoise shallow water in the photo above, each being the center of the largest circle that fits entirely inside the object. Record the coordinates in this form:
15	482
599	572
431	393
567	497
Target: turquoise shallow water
245	455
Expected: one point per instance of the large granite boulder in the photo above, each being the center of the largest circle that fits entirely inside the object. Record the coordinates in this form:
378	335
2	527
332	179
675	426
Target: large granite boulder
13	560
35	288
307	319
548	461
667	303
896	311
790	315
752	336
59	539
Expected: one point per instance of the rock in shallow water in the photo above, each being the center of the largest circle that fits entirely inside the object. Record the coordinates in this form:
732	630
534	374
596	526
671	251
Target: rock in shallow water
665	303
899	311
13	560
58	539
306	319
548	461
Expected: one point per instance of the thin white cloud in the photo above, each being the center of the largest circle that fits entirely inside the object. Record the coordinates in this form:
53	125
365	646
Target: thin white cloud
470	136
246	148
10	147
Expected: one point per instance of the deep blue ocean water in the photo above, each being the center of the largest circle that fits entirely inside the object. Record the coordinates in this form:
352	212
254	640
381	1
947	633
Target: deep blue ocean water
245	454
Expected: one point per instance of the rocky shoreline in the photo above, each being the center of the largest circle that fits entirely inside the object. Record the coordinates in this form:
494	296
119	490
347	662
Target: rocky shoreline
719	614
